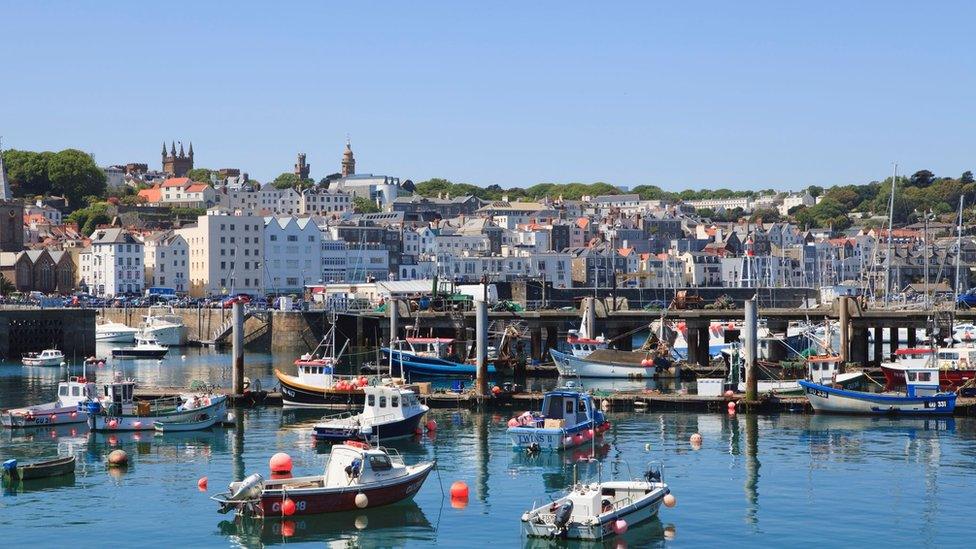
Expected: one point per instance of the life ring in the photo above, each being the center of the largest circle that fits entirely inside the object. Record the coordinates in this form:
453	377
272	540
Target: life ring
357	444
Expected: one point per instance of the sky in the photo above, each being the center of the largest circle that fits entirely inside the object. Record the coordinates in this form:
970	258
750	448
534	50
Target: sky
741	95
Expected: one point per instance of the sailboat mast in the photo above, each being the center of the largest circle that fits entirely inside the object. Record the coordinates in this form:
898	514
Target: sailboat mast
958	248
891	226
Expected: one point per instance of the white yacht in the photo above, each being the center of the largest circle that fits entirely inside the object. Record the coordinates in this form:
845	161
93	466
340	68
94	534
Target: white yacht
115	332
145	347
47	357
163	325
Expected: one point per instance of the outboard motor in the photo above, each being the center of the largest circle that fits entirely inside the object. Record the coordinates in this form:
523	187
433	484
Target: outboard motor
250	488
562	515
245	498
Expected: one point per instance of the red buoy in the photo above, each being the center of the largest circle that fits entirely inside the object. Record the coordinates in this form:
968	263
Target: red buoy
280	463
288	507
459	490
202	484
431	425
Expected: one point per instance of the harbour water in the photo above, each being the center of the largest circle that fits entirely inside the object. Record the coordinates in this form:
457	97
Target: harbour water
787	480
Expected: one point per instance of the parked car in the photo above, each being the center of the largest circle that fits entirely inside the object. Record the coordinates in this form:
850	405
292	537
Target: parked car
239	298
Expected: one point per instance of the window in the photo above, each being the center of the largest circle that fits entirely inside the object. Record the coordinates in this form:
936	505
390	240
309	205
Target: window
63	391
394	401
371	400
292	238
380	462
569	406
382	402
274	238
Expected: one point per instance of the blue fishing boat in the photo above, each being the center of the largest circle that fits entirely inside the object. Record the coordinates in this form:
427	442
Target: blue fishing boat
922	396
568	418
427	357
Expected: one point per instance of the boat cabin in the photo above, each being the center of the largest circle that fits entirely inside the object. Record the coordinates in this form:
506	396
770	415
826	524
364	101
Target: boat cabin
439	347
921	382
385	403
956	358
118	396
358	463
315	372
823	369
76	390
572	406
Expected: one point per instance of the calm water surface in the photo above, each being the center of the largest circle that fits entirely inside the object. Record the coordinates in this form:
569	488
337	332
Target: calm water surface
761	481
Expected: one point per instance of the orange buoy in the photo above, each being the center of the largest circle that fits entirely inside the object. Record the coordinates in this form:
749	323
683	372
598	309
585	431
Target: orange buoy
113	423
431	425
288	528
696	438
459	503
670	500
620	527
496	390
729	394
459	490
202	484
288	507
280	463
731	405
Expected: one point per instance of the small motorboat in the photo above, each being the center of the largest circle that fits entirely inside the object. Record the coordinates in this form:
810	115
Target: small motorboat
115	332
118	411
922	396
357	476
568	418
41	469
146	347
199	423
64	410
389	413
47	357
592	511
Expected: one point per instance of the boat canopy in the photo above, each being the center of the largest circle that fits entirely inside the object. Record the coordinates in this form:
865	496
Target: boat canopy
386	403
572	406
357	463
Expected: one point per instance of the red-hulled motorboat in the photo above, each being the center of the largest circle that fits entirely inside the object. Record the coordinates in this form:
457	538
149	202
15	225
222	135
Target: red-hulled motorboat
357	476
957	365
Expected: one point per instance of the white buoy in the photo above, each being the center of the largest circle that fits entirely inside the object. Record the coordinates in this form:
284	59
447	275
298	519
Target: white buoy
63	363
647	447
361	500
182	357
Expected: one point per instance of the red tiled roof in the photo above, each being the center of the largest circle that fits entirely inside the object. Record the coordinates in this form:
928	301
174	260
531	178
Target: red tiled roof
176	182
152	194
583	222
197	188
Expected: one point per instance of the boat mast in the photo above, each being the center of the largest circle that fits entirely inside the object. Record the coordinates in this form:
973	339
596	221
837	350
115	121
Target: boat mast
958	250
891	226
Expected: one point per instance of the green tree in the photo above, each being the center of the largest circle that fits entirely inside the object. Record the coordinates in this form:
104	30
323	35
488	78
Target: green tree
27	171
364	205
815	190
90	217
6	286
201	175
767	215
922	178
966	177
290	181
73	174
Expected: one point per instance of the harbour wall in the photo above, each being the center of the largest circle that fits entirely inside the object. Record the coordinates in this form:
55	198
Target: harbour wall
25	330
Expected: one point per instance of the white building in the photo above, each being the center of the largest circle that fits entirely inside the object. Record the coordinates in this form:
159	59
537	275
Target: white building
114	265
332	204
333	258
114	177
380	189
166	261
226	254
292	254
793	200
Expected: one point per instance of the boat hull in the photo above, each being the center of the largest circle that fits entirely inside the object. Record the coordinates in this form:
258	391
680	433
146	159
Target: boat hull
43	415
843	401
298	395
104	422
116	337
404	428
552	439
44	469
573	366
423	366
42	361
639	511
169	335
312	501
137	354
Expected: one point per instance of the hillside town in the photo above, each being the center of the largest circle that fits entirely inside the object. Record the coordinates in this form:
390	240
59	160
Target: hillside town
182	231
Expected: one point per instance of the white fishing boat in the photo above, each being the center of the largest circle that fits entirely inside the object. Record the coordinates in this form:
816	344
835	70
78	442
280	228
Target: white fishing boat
117	410
165	326
115	332
389	413
145	347
582	342
47	357
598	510
606	363
63	411
922	396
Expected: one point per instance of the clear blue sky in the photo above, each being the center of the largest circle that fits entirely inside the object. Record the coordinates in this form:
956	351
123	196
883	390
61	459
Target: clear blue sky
769	94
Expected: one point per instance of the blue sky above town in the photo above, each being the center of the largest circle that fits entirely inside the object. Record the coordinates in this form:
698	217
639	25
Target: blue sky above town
716	94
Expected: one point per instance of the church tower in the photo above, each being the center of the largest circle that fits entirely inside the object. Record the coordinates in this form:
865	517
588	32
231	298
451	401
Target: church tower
348	161
301	168
11	215
177	165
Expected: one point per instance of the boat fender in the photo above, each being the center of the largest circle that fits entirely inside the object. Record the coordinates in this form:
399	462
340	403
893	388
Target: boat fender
10	465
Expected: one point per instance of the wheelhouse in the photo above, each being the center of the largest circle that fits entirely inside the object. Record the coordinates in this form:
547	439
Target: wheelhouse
573	407
921	381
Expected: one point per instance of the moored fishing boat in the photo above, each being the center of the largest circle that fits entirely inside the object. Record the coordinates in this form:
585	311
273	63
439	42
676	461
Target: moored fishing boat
389	413
428	357
199	423
63	411
922	396
598	510
357	476
957	365
568	418
117	411
608	363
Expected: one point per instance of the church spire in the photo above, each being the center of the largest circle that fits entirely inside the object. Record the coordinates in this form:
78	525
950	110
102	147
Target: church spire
182	154
172	148
164	149
191	149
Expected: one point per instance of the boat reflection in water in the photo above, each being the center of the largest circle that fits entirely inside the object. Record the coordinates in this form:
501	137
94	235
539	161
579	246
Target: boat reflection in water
557	467
395	525
15	487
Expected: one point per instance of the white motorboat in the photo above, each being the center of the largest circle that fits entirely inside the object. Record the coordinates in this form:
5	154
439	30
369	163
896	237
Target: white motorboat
202	421
598	510
47	357
63	411
166	327
607	363
145	347
389	413
115	332
118	411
